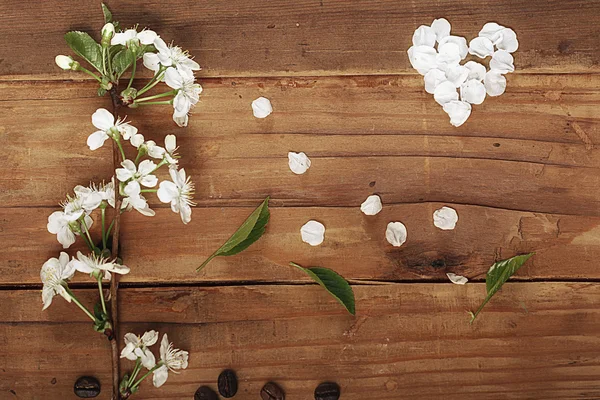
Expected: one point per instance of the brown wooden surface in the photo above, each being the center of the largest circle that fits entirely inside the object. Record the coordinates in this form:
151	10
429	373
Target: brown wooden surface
522	174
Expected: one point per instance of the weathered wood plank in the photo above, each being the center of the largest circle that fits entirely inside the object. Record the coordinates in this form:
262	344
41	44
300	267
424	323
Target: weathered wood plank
534	339
382	129
162	249
267	38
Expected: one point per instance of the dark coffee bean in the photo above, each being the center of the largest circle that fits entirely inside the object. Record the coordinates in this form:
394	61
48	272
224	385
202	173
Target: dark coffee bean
205	393
87	387
227	383
327	391
272	391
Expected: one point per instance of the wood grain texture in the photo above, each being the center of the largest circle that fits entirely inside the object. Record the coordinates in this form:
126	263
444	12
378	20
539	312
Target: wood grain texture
534	340
308	37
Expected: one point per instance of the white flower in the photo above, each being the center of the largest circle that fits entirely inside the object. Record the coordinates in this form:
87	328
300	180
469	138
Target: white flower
107	191
136	346
135	200
133	37
441	27
458	111
424	36
54	274
495	83
170	56
142	173
422	58
313	233
445	92
396	234
65	62
89	197
188	94
472	91
481	47
168	152
476	70
261	107
105	122
171	359
62	226
433	78
445	218
98	266
502	61
372	205
456	279
299	163
178	193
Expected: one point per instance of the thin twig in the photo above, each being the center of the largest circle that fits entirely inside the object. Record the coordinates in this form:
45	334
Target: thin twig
114	283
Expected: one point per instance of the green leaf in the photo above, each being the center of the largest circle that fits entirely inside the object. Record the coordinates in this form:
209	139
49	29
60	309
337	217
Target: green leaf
107	14
249	232
334	283
497	275
85	47
122	61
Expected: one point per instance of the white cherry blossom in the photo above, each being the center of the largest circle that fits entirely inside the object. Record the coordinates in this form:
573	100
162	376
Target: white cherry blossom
170	56
171	359
104	121
188	94
65	228
136	346
179	193
133	37
142	173
98	266
65	62
54	275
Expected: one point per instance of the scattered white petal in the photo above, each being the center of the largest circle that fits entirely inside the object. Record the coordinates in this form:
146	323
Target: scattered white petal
445	92
445	218
495	83
473	91
508	40
457	74
396	234
424	36
457	279
491	30
476	70
372	205
458	111
441	27
502	61
458	40
422	58
481	47
448	55
299	162
433	78
313	233
261	107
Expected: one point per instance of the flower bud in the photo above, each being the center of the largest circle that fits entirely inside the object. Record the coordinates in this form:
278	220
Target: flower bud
108	31
65	62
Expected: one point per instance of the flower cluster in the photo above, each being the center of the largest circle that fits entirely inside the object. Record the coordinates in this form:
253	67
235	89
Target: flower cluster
137	349
445	77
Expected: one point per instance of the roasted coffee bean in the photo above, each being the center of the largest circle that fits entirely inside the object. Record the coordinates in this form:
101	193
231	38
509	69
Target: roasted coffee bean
272	391
87	387
227	383
205	393
327	391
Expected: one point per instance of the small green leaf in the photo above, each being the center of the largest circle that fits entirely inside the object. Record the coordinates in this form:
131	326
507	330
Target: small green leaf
334	283
249	232
497	275
85	47
122	61
107	14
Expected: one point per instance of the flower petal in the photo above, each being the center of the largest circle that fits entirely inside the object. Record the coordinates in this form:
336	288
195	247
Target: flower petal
458	40
448	55
151	61
146	167
481	47
313	233
167	192
495	83
472	91
458	111
396	234
445	218
422	58
170	143
372	205
433	78
457	74
456	279
299	163
502	61
261	107
173	78
441	27
103	119
508	41
491	30
476	70
445	92
424	36
147	36
96	140
160	376
65	237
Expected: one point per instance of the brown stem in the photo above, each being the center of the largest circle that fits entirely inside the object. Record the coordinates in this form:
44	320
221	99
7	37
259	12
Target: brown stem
114	283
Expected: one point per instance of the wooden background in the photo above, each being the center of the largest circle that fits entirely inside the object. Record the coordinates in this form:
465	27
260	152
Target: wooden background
522	174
